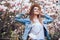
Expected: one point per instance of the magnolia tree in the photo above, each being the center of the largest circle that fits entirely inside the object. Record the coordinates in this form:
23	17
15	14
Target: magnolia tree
10	8
8	11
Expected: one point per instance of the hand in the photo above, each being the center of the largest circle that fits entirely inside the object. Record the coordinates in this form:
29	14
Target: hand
54	16
29	38
41	14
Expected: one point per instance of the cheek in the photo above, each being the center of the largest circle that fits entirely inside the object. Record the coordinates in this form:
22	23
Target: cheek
36	13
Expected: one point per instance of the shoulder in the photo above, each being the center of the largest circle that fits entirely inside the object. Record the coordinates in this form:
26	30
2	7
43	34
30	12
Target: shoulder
27	20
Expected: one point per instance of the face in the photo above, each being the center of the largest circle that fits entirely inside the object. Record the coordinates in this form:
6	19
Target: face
36	10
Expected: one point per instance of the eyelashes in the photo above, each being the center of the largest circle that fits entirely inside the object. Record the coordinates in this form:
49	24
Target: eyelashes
35	9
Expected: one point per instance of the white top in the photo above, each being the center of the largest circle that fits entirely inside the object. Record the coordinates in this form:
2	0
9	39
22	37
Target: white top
37	31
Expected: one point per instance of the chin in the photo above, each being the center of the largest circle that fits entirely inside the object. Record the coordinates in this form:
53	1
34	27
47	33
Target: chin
36	13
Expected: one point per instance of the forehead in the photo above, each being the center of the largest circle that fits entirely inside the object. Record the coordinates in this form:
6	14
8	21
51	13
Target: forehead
36	8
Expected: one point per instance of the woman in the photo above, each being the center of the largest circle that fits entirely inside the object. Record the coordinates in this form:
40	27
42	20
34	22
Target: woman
35	26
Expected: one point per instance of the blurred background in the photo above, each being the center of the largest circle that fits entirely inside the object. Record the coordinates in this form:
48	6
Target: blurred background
12	30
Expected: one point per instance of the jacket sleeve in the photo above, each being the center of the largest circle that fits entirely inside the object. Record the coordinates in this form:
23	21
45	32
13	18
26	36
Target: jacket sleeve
26	32
19	18
48	19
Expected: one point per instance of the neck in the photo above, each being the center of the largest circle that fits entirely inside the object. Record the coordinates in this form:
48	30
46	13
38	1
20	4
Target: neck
35	16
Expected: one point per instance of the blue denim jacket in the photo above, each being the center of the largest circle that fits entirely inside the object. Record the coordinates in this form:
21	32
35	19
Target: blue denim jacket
27	22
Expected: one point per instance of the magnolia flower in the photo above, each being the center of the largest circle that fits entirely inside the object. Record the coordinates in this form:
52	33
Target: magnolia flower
18	4
26	6
26	1
17	9
47	6
12	9
42	10
3	2
59	39
58	7
3	8
51	0
54	5
51	13
59	22
12	3
41	0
